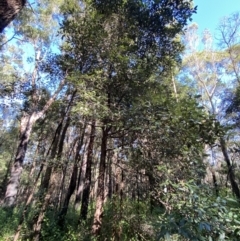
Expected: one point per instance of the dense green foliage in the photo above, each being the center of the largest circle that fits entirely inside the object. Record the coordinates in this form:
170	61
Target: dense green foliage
107	134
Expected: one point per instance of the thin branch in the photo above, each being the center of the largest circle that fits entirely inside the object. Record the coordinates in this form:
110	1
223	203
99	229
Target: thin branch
8	40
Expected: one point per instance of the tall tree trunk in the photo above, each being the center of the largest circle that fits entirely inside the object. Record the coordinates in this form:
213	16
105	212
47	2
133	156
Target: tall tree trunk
231	174
106	181
81	171
8	11
30	194
152	182
40	217
29	200
59	155
117	175
110	176
71	188
27	122
215	182
64	172
8	171
46	186
73	181
61	142
48	172
97	221
88	175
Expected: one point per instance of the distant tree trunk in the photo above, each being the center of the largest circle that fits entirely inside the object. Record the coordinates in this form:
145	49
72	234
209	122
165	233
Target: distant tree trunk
64	173
26	189
81	171
28	202
113	174
46	186
97	221
88	175
152	182
73	181
60	150
38	224
95	167
110	176
215	182
117	176
54	145
71	188
61	142
106	181
231	174
8	11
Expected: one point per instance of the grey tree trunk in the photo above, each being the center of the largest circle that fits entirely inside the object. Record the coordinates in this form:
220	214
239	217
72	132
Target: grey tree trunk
46	186
27	122
8	11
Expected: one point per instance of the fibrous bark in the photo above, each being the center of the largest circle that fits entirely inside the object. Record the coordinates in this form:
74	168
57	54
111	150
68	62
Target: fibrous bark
98	215
88	174
27	122
231	173
72	184
8	11
46	186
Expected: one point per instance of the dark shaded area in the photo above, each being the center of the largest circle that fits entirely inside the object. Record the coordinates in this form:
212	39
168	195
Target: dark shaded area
8	11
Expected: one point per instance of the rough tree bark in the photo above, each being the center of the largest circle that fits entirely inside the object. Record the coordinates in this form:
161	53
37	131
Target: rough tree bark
88	175
8	11
98	215
49	182
82	170
28	202
46	186
73	180
110	176
231	174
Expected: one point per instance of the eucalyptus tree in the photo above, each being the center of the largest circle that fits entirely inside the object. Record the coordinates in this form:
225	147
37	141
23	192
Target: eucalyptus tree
115	49
212	73
229	41
204	68
32	31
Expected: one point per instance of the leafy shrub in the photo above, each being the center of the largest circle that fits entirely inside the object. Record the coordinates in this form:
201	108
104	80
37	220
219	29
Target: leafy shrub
200	216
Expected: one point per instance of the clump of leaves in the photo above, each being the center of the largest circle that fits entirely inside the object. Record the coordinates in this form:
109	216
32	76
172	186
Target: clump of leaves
127	220
199	216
